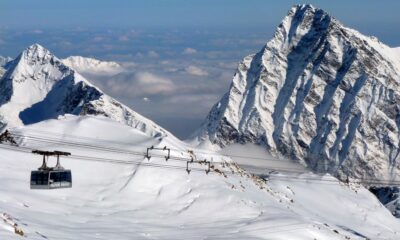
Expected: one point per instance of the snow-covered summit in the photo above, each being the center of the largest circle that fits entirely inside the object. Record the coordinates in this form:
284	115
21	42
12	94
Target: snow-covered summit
4	60
318	92
38	86
38	52
91	65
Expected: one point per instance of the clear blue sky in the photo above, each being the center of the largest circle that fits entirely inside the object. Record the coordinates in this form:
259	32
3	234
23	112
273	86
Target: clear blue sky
364	14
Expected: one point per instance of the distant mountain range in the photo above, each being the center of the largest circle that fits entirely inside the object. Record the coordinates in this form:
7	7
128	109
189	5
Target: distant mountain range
92	66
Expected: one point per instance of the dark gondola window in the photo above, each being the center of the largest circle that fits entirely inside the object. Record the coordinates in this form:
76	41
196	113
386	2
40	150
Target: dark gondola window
39	178
68	177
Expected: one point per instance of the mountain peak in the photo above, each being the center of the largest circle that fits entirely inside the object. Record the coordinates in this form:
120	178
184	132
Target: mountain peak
36	51
36	63
36	46
303	20
300	10
318	92
302	7
37	86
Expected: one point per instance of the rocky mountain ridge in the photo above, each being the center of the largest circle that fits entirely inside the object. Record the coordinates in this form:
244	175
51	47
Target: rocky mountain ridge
319	93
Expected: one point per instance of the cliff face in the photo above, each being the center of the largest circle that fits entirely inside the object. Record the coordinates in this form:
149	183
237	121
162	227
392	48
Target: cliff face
317	92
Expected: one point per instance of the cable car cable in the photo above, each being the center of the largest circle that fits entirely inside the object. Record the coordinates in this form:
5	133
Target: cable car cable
290	178
117	150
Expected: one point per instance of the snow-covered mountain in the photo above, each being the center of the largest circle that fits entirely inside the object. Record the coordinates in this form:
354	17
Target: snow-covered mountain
397	51
3	62
157	199
317	92
38	86
93	66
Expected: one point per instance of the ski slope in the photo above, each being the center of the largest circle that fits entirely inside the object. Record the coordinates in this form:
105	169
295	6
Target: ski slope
111	200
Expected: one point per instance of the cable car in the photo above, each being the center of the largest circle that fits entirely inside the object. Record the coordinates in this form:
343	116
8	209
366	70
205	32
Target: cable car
51	177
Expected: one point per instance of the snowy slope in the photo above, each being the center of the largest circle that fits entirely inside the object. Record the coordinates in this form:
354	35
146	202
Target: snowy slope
317	92
397	51
92	66
38	86
3	62
111	201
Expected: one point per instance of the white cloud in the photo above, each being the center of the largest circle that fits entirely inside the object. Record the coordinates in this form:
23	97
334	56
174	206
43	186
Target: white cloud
98	38
153	54
192	98
146	99
37	31
139	55
189	51
203	103
228	65
171	69
123	38
140	84
65	44
128	65
149	54
193	70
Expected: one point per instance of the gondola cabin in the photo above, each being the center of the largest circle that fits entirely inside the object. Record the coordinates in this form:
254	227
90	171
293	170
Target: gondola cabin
51	177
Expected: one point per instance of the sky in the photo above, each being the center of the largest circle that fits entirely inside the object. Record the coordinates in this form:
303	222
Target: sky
189	49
